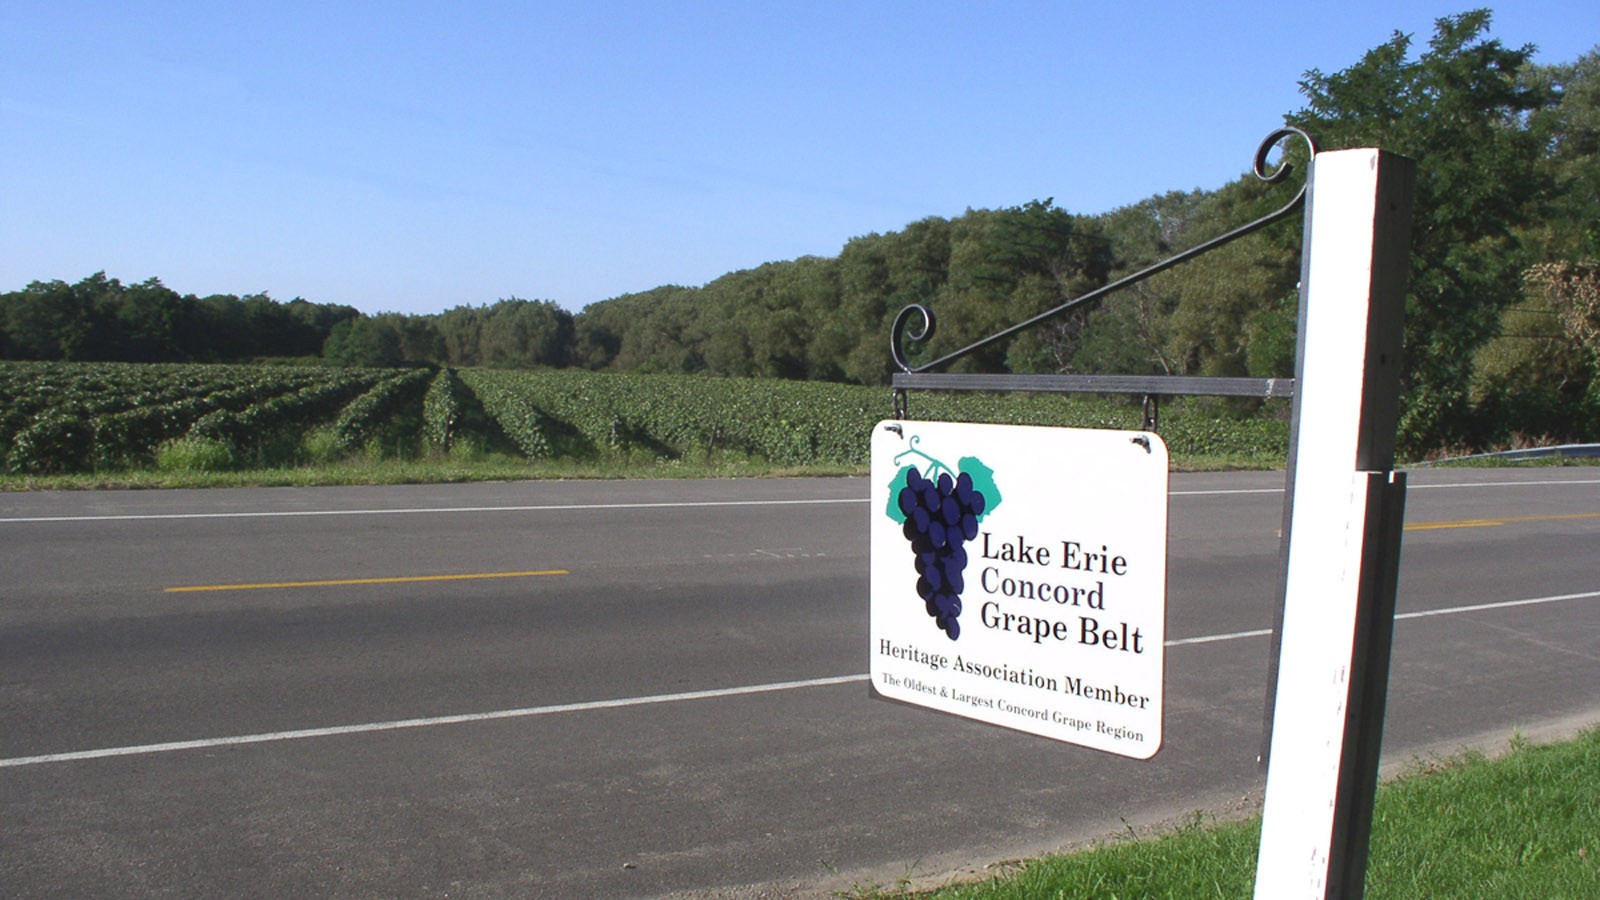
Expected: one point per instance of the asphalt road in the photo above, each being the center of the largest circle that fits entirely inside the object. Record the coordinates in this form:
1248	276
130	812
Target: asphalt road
623	689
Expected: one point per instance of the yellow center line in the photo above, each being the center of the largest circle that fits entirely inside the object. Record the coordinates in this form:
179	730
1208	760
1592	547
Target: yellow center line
405	579
1489	523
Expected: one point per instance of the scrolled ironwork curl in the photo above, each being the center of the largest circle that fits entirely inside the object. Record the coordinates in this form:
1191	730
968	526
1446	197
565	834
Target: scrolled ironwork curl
1284	166
902	330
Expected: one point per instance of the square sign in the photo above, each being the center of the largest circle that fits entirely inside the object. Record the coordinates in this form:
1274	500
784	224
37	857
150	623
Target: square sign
1019	578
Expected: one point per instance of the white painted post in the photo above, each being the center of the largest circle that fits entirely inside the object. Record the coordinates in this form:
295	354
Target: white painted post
1345	528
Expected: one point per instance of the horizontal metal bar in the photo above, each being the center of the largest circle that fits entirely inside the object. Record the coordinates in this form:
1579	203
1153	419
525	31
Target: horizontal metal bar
1156	385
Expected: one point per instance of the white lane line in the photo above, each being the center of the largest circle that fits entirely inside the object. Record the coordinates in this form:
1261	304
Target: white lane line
1478	484
1503	604
333	731
1420	614
412	511
1215	638
625	702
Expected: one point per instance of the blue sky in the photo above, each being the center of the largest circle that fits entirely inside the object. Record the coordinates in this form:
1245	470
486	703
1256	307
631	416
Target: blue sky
415	156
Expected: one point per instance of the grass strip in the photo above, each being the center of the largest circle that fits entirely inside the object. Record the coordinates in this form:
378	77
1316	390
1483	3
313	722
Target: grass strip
1523	825
445	470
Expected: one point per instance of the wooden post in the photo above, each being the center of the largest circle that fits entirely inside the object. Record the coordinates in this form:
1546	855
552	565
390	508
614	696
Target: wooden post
1345	527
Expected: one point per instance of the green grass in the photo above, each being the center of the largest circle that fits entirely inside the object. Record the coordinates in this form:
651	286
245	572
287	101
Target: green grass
191	462
184	466
1525	825
1499	462
191	467
187	455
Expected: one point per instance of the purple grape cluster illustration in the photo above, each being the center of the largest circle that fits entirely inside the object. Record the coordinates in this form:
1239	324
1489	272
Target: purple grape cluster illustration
941	516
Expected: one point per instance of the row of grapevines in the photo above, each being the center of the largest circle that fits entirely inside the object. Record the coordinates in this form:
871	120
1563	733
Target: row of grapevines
109	386
521	420
790	422
366	414
785	422
55	442
132	434
1189	426
253	431
441	410
52	383
64	416
89	432
112	414
1193	432
36	391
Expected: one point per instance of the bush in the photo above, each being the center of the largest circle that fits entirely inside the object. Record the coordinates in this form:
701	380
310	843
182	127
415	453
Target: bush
321	445
194	454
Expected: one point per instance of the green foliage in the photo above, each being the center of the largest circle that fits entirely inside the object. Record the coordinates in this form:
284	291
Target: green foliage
194	454
522	421
441	410
128	406
1012	265
268	431
128	435
511	333
1540	377
1271	333
101	318
1568	227
367	342
791	423
67	417
364	418
695	416
320	446
273	415
58	441
1460	110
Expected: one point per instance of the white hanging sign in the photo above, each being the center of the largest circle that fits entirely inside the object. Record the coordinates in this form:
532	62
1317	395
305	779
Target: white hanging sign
1018	577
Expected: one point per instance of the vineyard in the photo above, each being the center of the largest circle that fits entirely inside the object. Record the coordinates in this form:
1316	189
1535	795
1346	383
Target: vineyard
104	417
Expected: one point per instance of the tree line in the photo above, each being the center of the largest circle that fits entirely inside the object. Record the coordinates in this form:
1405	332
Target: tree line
101	319
1501	316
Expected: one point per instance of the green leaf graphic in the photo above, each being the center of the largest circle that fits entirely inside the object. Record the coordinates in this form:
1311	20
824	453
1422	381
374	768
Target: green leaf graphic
982	481
899	482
